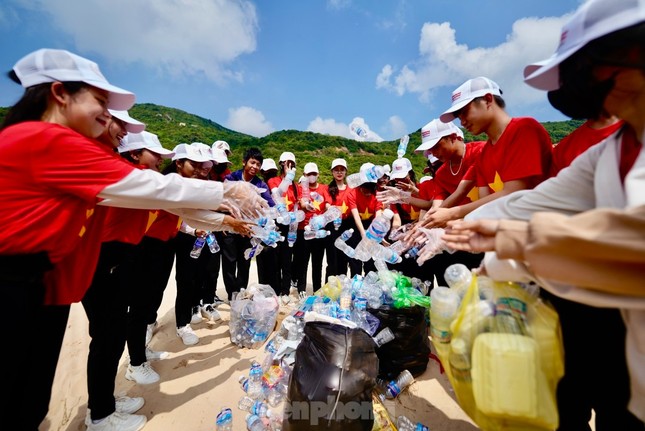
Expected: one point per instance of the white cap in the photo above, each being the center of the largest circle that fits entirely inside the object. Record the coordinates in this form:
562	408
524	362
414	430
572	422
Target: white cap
365	167
147	140
51	65
309	168
222	145
432	132
432	159
196	153
268	164
592	20
287	155
400	168
425	178
338	162
466	92
388	213
219	156
131	125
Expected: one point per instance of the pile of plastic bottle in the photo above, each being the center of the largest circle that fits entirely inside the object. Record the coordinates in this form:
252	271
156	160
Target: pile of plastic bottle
254	312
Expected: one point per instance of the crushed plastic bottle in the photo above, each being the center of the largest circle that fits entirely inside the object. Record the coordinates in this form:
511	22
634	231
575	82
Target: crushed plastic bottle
316	234
403	146
405	424
255	423
395	387
224	420
320	221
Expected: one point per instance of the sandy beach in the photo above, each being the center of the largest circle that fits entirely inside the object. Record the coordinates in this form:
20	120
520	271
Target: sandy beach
197	381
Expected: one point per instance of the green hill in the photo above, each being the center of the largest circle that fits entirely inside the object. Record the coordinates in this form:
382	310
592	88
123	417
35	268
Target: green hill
174	126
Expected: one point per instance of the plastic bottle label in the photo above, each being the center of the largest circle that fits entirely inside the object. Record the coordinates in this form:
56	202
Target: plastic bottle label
393	389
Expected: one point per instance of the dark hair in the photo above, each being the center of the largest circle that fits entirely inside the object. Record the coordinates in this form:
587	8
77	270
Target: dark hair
33	103
172	167
267	175
333	190
128	155
413	176
253	153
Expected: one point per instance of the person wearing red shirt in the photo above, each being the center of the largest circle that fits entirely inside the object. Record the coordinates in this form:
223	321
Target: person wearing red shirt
337	261
53	174
313	202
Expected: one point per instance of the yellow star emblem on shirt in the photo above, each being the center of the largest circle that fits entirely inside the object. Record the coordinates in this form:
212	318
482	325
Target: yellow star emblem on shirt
343	208
88	214
414	214
473	194
366	215
152	216
498	184
287	202
316	204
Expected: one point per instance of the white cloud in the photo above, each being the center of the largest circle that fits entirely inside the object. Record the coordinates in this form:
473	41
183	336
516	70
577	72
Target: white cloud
443	62
183	37
329	126
397	126
248	120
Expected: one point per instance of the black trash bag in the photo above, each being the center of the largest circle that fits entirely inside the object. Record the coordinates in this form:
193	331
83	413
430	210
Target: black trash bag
332	380
410	349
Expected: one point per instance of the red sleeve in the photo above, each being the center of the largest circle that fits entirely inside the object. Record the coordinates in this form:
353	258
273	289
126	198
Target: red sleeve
350	198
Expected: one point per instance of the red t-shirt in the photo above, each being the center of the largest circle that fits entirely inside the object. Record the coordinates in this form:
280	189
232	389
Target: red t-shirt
319	207
577	142
49	178
366	206
162	225
341	201
446	182
523	152
289	196
427	190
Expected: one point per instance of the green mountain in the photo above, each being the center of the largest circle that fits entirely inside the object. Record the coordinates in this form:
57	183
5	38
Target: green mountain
174	126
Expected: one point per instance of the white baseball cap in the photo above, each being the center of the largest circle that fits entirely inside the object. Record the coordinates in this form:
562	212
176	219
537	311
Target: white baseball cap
400	168
432	132
287	155
131	125
591	21
219	156
51	65
143	139
467	92
338	162
222	145
268	164
364	178
196	153
310	167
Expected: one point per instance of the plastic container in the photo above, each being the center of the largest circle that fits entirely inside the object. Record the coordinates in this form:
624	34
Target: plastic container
395	387
459	359
320	221
385	336
443	310
458	277
507	379
224	421
212	243
316	234
197	247
405	424
403	146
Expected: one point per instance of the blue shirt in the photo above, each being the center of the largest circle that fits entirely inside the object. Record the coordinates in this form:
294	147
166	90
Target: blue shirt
257	182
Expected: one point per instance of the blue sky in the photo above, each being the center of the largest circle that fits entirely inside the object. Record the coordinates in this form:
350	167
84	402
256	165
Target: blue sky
262	66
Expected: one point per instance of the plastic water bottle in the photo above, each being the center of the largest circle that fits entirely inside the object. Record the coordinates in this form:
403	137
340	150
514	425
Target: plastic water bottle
255	423
292	235
380	226
316	234
445	303
320	221
254	250
405	424
376	172
378	252
458	277
354	180
399	247
385	336
403	146
395	387
224	421
197	247
459	359
337	222
304	185
212	242
280	206
360	314
412	253
244	382
292	216
345	303
288	178
254	407
358	130
255	381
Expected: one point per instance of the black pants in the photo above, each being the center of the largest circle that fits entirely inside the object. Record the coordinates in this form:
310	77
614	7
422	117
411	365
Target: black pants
235	268
284	268
106	305
267	263
303	250
22	290
212	268
595	368
149	275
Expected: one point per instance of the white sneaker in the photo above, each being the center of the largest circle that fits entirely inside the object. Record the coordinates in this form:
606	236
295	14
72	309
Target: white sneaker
197	316
152	355
143	374
187	335
210	313
127	405
150	330
119	422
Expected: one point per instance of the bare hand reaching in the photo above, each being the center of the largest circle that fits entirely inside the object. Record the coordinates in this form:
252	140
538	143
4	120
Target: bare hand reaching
475	236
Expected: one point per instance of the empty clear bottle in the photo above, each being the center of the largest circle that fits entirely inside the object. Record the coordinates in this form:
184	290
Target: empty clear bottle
337	222
341	243
403	146
405	424
458	277
255	389
254	250
292	216
304	185
345	303
316	234
254	407
399	247
358	130
224	420
321	220
292	235
255	423
198	247
380	226
395	387
213	245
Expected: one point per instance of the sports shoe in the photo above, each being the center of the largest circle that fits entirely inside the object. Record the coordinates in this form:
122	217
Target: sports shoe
152	355
142	374
217	301
150	330
197	316
119	422
127	405
210	313
187	335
